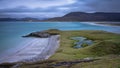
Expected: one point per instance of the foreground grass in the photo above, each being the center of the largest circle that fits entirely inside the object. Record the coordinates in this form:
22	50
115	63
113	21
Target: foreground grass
110	61
104	44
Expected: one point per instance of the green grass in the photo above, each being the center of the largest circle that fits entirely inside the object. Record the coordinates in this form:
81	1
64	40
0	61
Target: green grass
106	45
105	62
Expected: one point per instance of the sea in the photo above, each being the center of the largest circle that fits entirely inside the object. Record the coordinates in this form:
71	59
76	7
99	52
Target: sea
11	32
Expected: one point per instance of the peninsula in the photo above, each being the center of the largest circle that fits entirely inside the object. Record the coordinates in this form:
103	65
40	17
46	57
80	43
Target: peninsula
104	51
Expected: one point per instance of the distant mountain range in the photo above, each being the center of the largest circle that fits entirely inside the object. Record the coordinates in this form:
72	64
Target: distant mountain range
82	16
21	19
74	16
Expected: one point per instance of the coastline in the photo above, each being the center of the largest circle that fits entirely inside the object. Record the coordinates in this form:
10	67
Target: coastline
39	49
109	23
66	54
102	23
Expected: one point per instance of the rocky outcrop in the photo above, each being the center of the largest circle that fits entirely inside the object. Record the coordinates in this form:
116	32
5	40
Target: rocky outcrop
41	34
69	63
38	34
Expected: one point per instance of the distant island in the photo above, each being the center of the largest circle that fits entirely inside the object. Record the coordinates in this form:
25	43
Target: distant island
22	19
74	16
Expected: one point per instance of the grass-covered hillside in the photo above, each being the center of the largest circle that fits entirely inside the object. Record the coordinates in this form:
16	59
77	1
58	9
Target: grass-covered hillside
105	43
106	48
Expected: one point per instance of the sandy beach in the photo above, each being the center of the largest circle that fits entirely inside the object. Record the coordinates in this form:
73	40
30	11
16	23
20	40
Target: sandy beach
37	49
109	23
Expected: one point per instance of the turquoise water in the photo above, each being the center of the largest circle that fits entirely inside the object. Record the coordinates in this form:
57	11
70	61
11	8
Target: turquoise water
11	32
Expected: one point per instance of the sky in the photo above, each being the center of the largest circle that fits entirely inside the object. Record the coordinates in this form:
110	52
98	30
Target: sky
54	8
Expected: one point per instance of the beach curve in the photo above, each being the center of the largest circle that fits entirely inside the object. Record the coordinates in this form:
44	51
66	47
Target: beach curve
39	49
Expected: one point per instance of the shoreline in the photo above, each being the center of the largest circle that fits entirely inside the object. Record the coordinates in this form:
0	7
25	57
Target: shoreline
100	24
66	54
109	23
33	52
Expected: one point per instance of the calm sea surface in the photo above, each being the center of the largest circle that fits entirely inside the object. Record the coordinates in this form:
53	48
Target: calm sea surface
11	32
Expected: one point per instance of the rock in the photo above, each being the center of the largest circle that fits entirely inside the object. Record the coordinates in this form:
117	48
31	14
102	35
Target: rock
43	34
38	34
68	63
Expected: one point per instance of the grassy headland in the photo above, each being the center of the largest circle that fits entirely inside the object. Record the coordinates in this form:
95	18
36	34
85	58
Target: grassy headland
106	47
105	43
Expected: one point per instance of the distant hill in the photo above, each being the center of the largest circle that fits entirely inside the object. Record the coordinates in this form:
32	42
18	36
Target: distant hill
30	19
73	16
21	19
82	16
9	19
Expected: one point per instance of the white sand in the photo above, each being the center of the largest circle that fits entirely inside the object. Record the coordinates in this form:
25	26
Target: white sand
37	49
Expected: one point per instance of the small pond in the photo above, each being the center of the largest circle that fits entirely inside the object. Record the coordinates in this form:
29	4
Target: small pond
81	42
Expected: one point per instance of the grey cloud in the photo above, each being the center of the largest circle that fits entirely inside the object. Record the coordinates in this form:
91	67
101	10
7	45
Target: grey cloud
103	5
58	10
25	9
80	5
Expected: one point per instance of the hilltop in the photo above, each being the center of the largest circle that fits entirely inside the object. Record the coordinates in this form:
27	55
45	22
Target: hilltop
82	16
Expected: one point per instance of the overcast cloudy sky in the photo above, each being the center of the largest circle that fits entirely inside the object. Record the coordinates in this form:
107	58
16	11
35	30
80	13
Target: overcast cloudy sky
53	8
